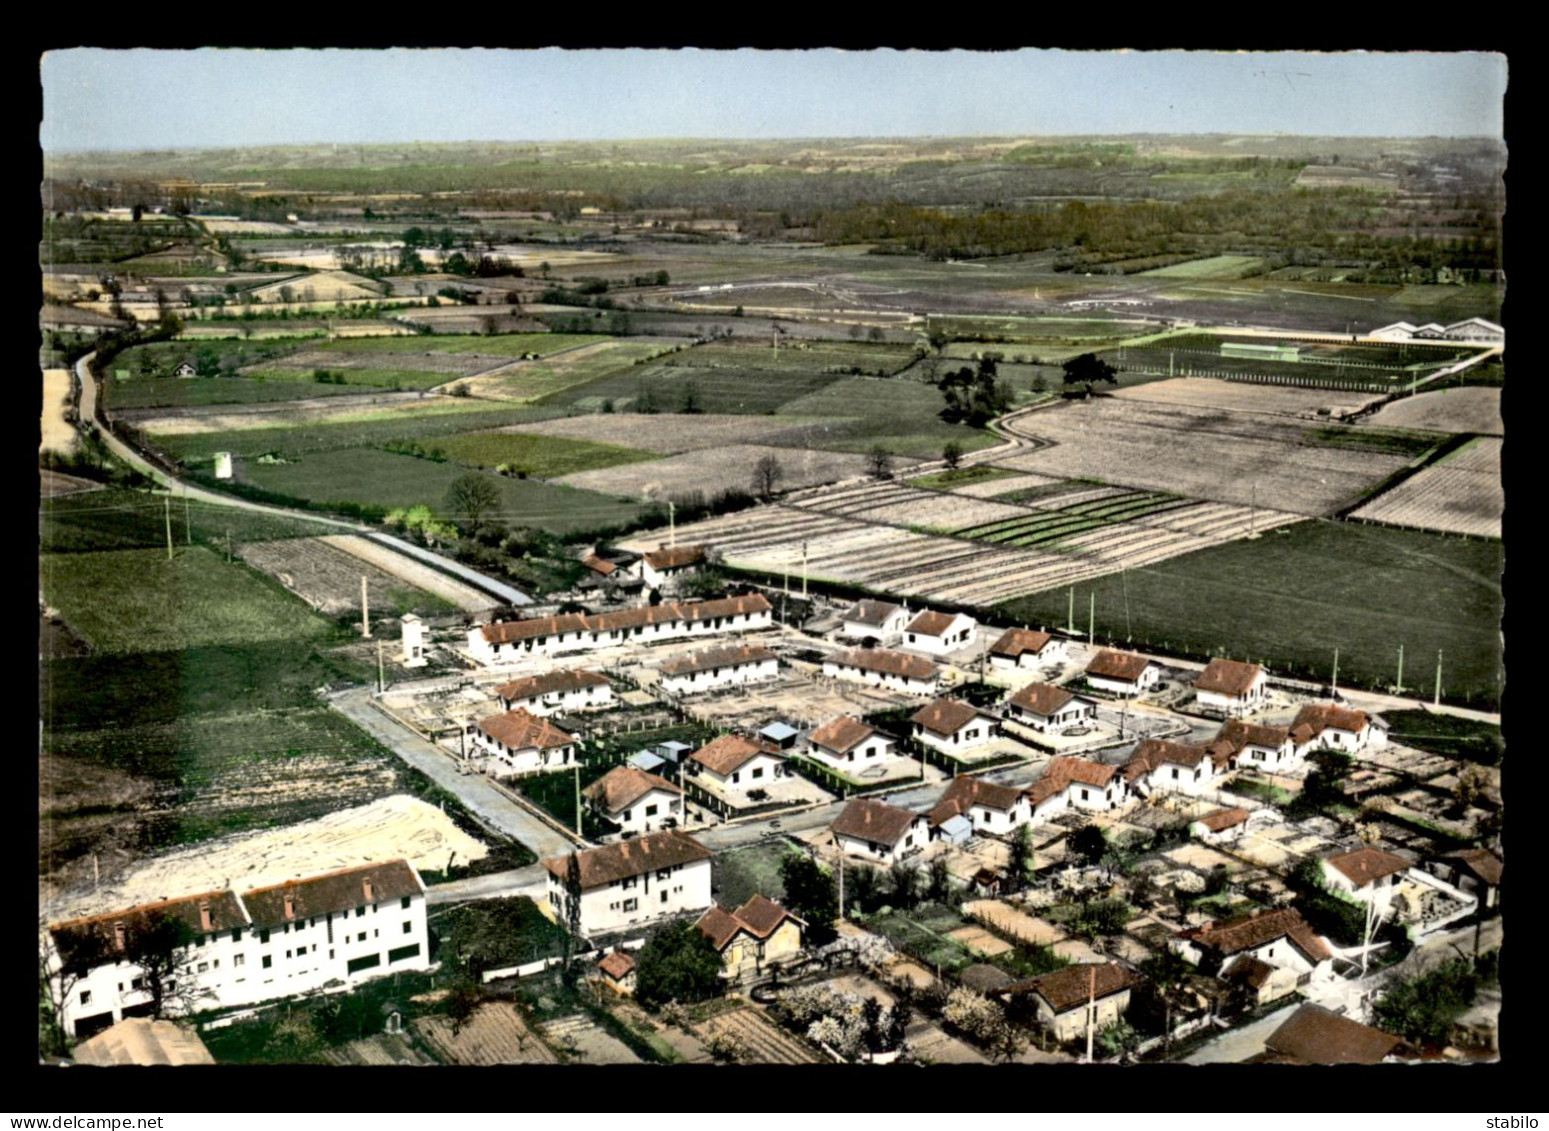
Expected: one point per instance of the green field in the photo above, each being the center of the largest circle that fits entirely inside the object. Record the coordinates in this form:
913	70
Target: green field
1215	267
1447	735
1291	597
1032	330
138	601
115	519
1411	442
752	870
879	359
375	378
951	480
504	345
386	479
1049	528
902	416
551	377
547	457
668	389
179	392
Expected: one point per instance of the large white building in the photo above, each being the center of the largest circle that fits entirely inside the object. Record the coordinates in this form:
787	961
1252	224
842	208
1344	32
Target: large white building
557	693
733	764
878	667
519	742
871	619
630	883
719	667
273	942
881	833
508	641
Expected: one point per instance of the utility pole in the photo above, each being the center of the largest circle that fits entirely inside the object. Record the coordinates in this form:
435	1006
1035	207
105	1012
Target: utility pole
1334	683
1437	700
188	523
1070	616
228	543
672	526
804	569
841	884
1091	1010
167	506
1091	622
381	672
365	611
1253	512
578	832
1399	690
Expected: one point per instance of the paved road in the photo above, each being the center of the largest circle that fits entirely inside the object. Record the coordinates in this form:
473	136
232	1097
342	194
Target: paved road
531	881
1236	1045
475	791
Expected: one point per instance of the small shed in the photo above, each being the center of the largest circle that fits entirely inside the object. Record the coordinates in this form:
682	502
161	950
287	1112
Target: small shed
780	735
647	760
673	752
955	830
185	369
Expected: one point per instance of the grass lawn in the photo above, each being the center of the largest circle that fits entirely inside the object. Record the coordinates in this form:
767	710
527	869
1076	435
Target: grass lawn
180	392
115	519
547	457
902	416
138	601
1290	598
488	934
1447	735
369	477
754	870
1215	267
1388	441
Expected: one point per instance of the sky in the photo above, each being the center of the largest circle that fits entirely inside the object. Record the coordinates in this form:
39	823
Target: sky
143	98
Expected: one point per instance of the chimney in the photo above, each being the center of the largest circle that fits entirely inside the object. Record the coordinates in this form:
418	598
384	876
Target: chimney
370	895
205	922
290	905
118	934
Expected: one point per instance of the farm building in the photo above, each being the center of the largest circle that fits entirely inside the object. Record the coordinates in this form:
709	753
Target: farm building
1073	999
1228	687
1279	940
1050	709
719	667
413	628
185	369
1476	871
664	568
1367	874
1394	332
636	801
950	726
848	744
632	882
894	670
520	742
1241	743
1122	673
939	633
1025	648
1262	351
242	950
1328	726
1316	1035
758	934
1476	330
1075	783
559	692
732	764
504	641
617	970
880	832
873	620
991	809
1180	767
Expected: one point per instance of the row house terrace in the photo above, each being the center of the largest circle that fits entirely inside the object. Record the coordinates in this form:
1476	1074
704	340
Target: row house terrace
896	671
633	882
508	641
557	693
713	668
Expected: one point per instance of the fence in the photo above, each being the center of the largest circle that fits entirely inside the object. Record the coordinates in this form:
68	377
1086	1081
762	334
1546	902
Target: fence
1336	383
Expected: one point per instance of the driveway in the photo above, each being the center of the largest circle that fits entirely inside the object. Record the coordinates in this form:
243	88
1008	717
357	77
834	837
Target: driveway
1237	1045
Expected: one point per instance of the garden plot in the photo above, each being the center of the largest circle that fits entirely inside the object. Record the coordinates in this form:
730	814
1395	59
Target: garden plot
394	827
1236	396
329	579
495	1034
1242	458
527	380
1462	494
431	361
766	1042
410	572
727	466
909	506
1472	408
670	434
995	488
318	410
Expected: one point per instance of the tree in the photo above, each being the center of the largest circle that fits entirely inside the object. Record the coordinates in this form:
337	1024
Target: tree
158	944
938	881
1168	972
690	404
860	888
810	893
59	970
678	963
572	917
1021	856
878	461
767	474
1088	368
952	455
473	497
903	884
1089	843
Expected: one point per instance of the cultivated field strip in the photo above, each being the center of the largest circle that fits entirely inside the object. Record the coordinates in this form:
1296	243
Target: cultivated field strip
994	488
465	597
1460	495
765	1041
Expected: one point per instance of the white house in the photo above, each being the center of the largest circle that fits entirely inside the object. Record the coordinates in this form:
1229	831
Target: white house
666	566
558	692
1367	874
895	670
880	832
632	882
1025	648
939	633
1476	330
1279	939
414	638
1075	783
1122	673
848	745
951	726
1241	744
733	764
286	939
634	800
1178	767
1394	332
870	619
1229	687
507	641
719	667
1050	709
1220	826
1074	998
520	742
1328	726
991	809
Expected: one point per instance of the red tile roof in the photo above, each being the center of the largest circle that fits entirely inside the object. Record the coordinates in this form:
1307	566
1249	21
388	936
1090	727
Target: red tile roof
931	623
522	729
1228	677
1223	819
946	716
333	892
731	752
602	866
1154	752
1365	864
1014	642
1246	968
534	686
1042	699
508	632
874	821
842	734
598	565
760	917
676	557
1237	734
1247	932
602	623
965	792
1481	862
887	663
1315	1035
869	612
709	659
1071	987
617	964
622	786
1313	719
1124	666
1066	769
224	910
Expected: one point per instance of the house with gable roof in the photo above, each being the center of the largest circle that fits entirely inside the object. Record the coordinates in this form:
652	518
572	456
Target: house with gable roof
1241	744
1122	673
755	936
519	742
1049	709
557	693
734	764
939	633
871	619
1272	952
1069	1000
897	671
632	882
1025	648
1315	1034
952	726
1229	687
849	745
991	809
636	801
1366	873
1328	726
1075	783
1179	767
881	833
711	668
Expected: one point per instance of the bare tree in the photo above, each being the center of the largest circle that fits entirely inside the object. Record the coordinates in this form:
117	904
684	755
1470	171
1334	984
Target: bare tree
952	454
473	497
878	461
767	474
